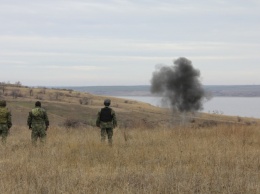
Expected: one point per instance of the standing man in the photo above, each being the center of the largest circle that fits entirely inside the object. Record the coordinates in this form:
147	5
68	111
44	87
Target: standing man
5	121
106	120
38	122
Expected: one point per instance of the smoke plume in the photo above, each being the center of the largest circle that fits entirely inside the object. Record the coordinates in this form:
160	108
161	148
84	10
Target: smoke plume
180	84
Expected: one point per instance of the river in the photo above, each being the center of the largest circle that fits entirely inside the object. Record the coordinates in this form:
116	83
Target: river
234	106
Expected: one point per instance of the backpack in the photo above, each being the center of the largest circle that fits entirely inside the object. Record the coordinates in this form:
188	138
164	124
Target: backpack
106	115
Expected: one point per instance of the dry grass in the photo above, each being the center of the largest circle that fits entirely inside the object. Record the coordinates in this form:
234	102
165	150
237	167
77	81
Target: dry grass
213	154
64	104
222	159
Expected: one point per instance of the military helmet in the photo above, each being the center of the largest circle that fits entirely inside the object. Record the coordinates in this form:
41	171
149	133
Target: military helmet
2	103
107	102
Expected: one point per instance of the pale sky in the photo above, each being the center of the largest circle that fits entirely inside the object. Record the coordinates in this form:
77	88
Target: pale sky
120	42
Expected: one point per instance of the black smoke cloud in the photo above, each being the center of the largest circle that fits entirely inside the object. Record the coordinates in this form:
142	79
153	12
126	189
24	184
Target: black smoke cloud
180	84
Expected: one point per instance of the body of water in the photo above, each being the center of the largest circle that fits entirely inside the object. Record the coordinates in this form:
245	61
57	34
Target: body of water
234	106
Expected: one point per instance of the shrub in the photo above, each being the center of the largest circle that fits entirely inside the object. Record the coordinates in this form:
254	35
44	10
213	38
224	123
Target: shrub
85	101
71	123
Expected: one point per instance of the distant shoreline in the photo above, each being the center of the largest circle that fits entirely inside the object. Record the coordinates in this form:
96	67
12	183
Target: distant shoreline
144	90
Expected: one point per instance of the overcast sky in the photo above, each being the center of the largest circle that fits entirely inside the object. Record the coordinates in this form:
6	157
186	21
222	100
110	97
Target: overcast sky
120	42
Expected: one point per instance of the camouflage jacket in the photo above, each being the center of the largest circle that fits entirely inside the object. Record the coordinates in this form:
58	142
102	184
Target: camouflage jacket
110	123
37	116
5	117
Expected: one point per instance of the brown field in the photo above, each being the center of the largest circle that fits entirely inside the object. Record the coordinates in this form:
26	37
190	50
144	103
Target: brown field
154	150
221	159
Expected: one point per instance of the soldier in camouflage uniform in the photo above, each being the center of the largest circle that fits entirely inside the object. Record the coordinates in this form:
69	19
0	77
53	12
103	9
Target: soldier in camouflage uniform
38	122
106	120
5	121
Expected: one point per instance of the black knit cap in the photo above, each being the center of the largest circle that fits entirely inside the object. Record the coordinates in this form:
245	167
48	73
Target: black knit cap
38	103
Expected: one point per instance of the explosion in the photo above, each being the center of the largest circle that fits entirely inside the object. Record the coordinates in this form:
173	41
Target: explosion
180	85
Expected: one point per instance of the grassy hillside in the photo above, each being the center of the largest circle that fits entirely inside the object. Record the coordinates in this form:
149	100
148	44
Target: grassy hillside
154	150
68	106
63	105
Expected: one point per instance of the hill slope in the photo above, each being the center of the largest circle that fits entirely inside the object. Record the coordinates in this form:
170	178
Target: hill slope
72	108
67	105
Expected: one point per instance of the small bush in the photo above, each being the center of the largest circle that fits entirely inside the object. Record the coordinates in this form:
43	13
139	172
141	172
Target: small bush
16	93
71	123
85	101
39	97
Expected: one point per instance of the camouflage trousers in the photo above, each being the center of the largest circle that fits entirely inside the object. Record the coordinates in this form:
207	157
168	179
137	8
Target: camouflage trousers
38	131
107	132
4	131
